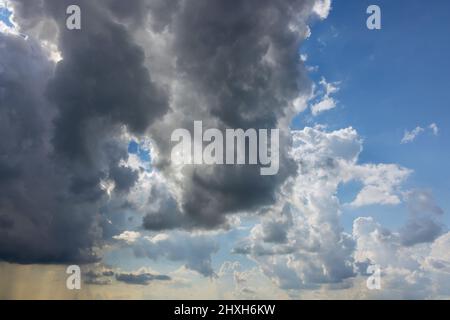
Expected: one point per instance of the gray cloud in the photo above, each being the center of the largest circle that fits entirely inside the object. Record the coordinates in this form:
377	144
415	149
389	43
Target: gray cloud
230	65
61	127
98	277
45	223
233	65
62	124
424	223
103	277
140	278
123	177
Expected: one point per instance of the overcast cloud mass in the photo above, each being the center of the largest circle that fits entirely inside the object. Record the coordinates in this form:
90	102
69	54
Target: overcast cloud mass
86	175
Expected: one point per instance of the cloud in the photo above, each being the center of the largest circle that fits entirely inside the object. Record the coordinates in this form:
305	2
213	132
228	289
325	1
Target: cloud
142	278
424	223
128	236
408	272
243	283
434	128
326	102
138	71
47	222
410	136
381	183
322	8
65	140
103	276
117	80
194	250
313	251
407	258
439	257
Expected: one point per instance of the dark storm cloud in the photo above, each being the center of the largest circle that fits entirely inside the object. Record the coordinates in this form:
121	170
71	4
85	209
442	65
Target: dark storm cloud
61	124
242	56
209	196
421	230
275	230
241	60
42	221
102	76
60	128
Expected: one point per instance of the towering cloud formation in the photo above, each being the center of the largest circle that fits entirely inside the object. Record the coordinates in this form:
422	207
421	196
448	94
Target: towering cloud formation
141	69
62	128
232	65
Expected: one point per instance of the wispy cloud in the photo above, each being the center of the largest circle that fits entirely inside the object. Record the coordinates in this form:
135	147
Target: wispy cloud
410	136
327	102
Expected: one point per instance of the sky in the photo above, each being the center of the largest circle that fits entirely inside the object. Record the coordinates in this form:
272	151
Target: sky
87	178
391	81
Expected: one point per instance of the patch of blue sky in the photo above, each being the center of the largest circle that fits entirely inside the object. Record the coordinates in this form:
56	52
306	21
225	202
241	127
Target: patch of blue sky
391	80
5	17
141	151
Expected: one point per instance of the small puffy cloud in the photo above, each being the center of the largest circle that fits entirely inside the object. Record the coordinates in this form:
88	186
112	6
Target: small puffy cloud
326	102
439	257
322	8
420	230
417	271
424	223
434	128
410	136
128	236
381	183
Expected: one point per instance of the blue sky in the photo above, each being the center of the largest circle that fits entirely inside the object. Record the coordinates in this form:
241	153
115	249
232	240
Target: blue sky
5	17
391	80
